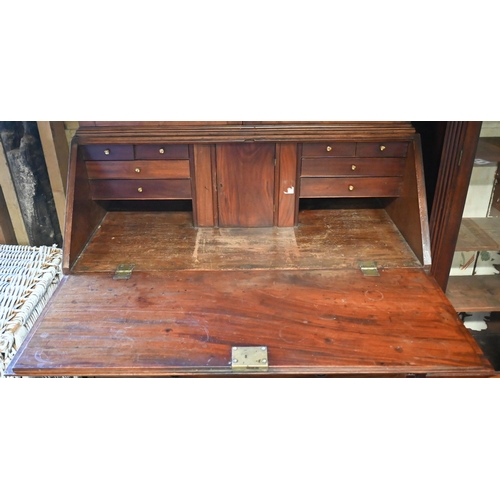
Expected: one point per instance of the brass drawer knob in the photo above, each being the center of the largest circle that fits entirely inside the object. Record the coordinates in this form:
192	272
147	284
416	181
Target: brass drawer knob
353	167
328	148
138	170
161	151
382	148
107	151
139	189
351	187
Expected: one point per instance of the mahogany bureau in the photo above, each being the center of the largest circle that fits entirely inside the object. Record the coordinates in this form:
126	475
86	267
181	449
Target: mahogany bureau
263	248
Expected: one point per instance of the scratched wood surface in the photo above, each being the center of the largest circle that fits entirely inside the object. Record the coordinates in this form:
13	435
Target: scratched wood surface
311	321
324	239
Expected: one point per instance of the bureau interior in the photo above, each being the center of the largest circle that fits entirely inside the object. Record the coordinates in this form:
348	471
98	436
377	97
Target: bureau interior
239	206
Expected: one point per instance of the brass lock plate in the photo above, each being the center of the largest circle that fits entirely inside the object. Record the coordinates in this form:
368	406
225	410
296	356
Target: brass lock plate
249	358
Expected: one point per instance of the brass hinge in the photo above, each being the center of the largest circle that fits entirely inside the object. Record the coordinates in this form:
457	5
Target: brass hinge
123	272
369	268
249	358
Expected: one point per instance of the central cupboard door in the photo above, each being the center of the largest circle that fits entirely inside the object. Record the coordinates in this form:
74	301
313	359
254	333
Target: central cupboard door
245	184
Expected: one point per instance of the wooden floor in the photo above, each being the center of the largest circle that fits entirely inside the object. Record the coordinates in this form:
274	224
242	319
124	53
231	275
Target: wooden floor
324	239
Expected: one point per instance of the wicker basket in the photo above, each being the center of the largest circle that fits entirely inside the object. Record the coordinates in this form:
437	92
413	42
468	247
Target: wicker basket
28	278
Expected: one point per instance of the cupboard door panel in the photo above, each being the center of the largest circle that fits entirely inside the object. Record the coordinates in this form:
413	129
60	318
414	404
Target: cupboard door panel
245	184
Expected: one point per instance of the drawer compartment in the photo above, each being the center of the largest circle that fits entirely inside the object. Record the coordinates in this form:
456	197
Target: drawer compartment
347	187
382	149
108	152
160	152
169	169
329	149
171	189
350	167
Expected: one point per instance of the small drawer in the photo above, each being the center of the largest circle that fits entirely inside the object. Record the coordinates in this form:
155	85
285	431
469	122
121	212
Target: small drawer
139	169
345	187
382	149
160	152
352	167
170	189
109	152
329	149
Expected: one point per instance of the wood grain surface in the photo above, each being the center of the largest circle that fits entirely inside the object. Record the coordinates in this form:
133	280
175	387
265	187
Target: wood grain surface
478	234
245	184
349	167
161	151
140	189
382	149
207	132
455	169
409	210
312	322
348	232
148	169
474	293
108	152
203	179
344	187
330	149
287	184
83	215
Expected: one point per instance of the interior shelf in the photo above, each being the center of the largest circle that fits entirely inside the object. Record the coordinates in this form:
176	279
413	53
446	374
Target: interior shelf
488	149
474	293
479	233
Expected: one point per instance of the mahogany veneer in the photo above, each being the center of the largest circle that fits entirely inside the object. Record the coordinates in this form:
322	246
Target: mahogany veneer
158	324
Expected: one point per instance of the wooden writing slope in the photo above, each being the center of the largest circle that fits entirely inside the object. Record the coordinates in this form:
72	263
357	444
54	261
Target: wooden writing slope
306	243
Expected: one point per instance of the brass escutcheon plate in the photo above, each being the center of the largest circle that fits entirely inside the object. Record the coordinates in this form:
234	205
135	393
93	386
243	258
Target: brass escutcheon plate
249	358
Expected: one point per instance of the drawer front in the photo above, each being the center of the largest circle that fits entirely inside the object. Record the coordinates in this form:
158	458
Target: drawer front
139	169
329	149
171	189
345	187
160	152
382	149
352	167
109	152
